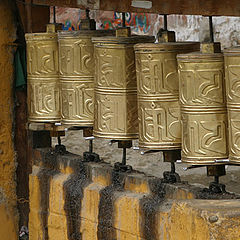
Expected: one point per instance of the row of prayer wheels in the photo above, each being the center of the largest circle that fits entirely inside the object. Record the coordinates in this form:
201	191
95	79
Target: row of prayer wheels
168	95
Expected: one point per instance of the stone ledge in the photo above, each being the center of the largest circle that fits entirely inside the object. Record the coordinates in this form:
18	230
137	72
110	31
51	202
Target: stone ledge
92	201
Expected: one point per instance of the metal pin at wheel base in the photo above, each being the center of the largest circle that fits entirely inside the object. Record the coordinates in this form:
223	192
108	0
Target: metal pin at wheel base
232	76
171	156
43	76
89	156
122	166
158	93
203	107
216	171
115	111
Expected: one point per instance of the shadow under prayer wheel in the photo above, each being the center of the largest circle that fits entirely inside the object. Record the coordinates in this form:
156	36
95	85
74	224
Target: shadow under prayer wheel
116	86
77	68
43	76
232	78
203	108
158	93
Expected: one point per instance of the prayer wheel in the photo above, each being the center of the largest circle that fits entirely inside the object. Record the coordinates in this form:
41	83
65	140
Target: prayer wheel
116	86
43	76
77	68
203	107
232	77
158	93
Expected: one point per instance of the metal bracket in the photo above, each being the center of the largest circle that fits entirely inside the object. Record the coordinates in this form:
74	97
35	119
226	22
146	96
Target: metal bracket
91	157
216	171
217	188
170	177
124	144
60	149
120	167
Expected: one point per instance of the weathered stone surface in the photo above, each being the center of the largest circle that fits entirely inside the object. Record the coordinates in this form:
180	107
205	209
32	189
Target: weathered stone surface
92	201
8	217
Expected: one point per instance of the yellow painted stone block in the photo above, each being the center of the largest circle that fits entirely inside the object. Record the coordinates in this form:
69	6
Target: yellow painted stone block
137	184
127	236
180	223
65	169
90	202
34	189
8	227
199	220
88	230
179	194
35	225
99	177
56	195
57	227
91	195
35	220
128	214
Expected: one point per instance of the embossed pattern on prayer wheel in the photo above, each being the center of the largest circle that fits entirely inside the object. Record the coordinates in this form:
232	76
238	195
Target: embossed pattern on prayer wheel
232	77
158	94
77	68
203	107
43	77
116	87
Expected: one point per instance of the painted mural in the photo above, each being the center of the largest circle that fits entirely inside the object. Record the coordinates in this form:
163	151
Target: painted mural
140	23
187	28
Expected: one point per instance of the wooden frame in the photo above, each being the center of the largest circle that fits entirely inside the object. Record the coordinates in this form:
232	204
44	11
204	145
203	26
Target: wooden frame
186	7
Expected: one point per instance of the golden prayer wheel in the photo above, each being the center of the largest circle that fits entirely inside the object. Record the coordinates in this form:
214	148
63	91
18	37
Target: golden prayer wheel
232	76
116	86
77	68
158	93
43	76
203	108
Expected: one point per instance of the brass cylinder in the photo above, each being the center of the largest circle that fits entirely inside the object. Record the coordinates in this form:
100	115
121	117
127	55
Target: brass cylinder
43	77
158	93
77	68
116	87
203	108
232	76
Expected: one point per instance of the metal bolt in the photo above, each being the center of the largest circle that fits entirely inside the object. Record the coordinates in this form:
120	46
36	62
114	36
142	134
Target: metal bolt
213	219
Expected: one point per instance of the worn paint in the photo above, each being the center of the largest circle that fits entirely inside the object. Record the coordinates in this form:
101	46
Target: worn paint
7	223
7	155
91	201
73	189
106	207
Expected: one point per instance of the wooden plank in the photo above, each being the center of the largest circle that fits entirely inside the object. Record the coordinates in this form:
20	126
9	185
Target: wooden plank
83	4
186	7
44	127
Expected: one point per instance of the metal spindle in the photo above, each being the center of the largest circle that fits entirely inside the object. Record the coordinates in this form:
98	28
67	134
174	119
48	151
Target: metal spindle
124	157
211	29
123	19
91	146
165	22
59	141
54	14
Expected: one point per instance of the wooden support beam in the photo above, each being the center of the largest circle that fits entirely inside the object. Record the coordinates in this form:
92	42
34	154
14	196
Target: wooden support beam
185	7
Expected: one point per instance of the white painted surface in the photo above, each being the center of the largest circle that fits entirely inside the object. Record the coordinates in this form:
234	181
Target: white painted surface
142	4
